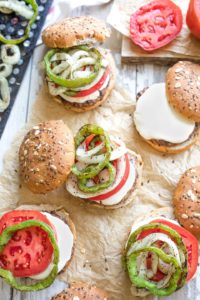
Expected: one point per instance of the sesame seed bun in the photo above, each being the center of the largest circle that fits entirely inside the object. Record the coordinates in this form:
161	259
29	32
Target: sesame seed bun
171	148
46	156
82	291
186	200
75	31
183	89
92	104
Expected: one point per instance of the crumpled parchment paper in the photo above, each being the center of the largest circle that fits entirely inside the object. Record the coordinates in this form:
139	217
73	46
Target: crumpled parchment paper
101	235
184	44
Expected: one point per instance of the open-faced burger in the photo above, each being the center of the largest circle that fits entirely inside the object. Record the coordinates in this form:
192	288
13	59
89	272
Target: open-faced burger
79	75
160	255
167	115
105	173
35	244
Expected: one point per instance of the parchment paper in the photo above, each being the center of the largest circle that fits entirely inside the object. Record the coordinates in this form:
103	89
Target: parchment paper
101	235
185	43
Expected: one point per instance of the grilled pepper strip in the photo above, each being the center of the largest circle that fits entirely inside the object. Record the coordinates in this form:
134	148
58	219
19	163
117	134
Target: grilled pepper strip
34	5
8	276
140	282
82	183
92	171
175	236
77	82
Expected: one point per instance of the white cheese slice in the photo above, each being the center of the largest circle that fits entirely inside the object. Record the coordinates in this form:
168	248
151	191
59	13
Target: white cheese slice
156	119
65	241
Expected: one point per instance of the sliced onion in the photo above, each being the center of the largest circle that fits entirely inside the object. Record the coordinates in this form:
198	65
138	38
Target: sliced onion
60	68
65	74
82	154
79	54
60	56
89	86
17	7
163	282
82	74
83	62
163	266
10	54
152	238
5	70
5	94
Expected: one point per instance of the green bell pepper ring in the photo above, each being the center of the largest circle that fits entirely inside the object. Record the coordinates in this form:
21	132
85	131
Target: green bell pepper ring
93	170
140	282
177	239
82	183
72	83
8	276
34	5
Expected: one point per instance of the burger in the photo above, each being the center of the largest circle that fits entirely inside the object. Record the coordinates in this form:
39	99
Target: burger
79	74
167	114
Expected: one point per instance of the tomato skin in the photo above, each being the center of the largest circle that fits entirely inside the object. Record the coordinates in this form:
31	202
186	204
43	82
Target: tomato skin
155	24
193	17
191	244
117	188
88	140
96	87
29	251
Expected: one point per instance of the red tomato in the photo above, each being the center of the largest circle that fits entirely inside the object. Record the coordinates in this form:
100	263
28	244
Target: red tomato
96	87
193	17
191	244
118	187
88	140
159	275
155	24
29	252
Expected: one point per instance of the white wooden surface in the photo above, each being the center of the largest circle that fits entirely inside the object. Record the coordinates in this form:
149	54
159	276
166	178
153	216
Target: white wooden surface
133	78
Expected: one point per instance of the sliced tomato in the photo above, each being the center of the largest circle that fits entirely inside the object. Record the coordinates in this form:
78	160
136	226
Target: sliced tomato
155	24
88	140
94	88
159	275
118	187
29	252
193	17
191	244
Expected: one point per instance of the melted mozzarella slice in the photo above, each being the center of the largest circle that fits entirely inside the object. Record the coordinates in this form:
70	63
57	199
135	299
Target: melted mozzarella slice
155	119
65	244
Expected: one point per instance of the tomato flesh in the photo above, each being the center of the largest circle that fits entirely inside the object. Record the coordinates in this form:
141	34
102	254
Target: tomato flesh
118	187
193	17
155	24
96	87
191	244
29	251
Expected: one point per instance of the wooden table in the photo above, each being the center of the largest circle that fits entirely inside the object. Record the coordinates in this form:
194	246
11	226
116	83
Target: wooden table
133	78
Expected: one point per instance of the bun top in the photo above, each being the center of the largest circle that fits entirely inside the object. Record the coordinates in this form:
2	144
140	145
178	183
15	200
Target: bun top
82	291
75	31
186	200
183	89
46	156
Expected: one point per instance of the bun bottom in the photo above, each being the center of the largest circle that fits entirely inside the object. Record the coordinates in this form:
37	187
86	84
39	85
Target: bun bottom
101	100
81	291
59	213
170	148
127	199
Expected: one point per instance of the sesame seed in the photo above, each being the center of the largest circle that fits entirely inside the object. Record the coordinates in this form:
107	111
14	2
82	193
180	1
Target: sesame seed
25	152
178	70
37	132
177	85
184	216
36	127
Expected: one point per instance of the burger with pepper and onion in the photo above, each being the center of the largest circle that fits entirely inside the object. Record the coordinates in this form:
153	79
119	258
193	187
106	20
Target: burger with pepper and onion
35	243
160	256
79	75
105	173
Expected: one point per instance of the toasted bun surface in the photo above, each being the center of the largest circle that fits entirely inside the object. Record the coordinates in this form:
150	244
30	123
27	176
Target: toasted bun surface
186	200
130	195
170	148
75	31
59	213
183	89
82	291
90	105
46	156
